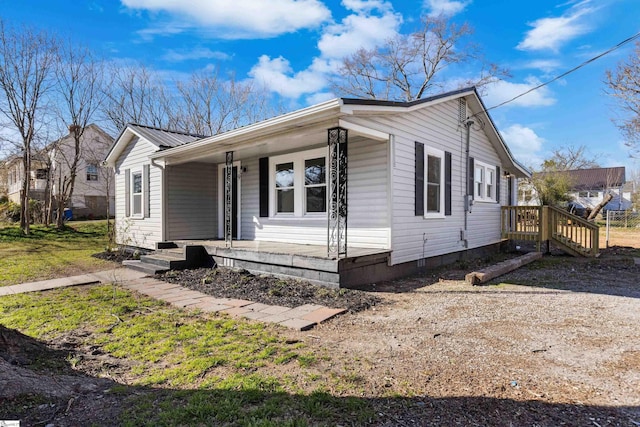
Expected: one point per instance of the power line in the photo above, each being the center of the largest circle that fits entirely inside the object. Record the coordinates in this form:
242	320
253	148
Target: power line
619	45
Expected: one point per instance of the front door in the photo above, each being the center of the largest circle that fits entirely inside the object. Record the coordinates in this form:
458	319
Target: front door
235	200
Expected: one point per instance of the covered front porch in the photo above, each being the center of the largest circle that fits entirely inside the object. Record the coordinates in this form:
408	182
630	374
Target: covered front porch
324	185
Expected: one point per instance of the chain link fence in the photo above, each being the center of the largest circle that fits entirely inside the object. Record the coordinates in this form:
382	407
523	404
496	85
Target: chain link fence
621	228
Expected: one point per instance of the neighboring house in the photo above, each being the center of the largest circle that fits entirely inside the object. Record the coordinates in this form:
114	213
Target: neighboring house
351	191
92	183
588	188
38	177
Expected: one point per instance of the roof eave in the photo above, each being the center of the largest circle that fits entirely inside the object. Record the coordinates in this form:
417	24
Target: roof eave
264	127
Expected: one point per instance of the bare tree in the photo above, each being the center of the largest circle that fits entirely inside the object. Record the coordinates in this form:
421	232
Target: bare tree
552	185
212	105
135	94
408	67
27	59
624	85
569	158
79	78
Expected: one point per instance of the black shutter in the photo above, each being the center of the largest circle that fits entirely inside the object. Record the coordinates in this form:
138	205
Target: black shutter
264	187
127	192
498	179
419	180
472	172
447	183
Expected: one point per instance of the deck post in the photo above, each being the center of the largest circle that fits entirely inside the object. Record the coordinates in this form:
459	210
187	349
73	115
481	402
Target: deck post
337	211
228	200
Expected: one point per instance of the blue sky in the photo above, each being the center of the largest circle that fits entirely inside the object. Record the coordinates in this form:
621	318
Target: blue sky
292	45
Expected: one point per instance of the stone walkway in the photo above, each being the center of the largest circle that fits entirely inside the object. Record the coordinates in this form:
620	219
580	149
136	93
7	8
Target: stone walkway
300	318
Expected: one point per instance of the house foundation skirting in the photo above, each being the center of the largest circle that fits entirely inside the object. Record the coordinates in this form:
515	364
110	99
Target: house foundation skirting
350	272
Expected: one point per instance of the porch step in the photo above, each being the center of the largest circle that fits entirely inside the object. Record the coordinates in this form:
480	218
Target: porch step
168	261
144	267
172	258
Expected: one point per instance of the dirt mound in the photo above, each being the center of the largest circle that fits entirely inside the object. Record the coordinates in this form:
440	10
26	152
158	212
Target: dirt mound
231	283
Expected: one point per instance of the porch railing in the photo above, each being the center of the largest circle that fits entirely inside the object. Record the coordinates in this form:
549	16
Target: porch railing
541	224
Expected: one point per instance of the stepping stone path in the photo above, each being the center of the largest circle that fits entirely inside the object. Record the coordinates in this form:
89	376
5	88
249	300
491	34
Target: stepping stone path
300	318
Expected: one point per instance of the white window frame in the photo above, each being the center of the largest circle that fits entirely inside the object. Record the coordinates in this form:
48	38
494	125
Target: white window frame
484	187
299	187
93	177
133	194
433	152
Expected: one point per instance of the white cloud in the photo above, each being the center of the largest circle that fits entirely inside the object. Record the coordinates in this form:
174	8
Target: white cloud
524	143
371	23
551	33
240	18
358	31
502	91
277	75
445	7
194	54
544	65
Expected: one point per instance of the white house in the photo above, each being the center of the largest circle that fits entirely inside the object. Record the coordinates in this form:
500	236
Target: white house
588	189
354	190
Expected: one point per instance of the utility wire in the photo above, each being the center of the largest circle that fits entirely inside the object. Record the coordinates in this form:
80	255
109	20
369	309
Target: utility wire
619	45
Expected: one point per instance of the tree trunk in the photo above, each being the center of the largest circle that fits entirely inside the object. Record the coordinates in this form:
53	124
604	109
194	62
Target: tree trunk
25	219
607	198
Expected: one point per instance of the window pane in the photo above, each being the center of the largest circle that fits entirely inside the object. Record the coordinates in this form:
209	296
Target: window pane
285	201
433	198
433	169
137	204
317	199
314	171
284	175
137	183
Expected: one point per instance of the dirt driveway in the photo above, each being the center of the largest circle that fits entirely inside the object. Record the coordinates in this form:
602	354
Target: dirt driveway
556	343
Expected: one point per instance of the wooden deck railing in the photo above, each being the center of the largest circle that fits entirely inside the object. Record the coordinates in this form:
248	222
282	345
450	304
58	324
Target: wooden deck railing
546	223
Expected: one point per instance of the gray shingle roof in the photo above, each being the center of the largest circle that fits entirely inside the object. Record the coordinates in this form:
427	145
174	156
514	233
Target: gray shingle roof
597	178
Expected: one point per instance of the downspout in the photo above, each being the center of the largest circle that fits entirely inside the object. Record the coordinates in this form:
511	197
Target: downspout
467	197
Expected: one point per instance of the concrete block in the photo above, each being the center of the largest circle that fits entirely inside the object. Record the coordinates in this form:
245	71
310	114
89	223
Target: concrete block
254	315
298	324
276	309
322	314
236	311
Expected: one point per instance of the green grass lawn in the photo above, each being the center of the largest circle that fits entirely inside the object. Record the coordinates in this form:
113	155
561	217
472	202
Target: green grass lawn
186	368
49	253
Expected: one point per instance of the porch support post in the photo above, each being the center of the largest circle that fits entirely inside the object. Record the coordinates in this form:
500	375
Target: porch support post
337	212
228	200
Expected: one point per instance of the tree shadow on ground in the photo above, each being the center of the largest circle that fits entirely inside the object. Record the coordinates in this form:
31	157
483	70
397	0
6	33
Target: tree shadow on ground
87	400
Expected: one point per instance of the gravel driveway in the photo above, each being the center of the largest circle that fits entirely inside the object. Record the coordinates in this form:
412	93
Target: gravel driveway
553	343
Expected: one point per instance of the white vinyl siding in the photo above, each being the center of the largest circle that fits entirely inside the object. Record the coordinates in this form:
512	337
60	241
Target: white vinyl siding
192	202
367	203
139	232
414	237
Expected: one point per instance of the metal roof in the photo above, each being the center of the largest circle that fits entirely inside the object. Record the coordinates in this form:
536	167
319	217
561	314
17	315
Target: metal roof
163	138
